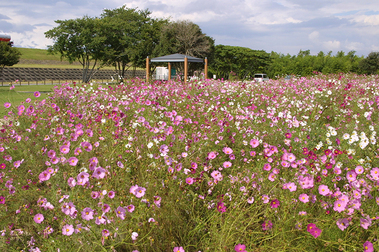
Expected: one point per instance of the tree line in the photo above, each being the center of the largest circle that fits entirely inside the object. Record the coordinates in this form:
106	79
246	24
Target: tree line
124	37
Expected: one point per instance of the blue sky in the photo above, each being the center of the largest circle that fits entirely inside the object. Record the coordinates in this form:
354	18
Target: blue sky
283	26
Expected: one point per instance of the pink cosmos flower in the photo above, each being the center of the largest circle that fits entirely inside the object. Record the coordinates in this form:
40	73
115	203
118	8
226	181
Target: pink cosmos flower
365	223
71	182
254	143
72	161
38	218
265	199
304	198
189	180
99	173
375	173
227	150
240	248
64	149
343	223
134	236
87	214
68	230
7	104
106	208
339	206
86	146
3	166
323	190
179	249
111	194
44	176
212	155
105	233
82	178
37	94
227	164
130	208
291	187
120	212
140	192
368	247
359	169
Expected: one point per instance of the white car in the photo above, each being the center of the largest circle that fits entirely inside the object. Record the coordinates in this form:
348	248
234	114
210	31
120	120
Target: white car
259	77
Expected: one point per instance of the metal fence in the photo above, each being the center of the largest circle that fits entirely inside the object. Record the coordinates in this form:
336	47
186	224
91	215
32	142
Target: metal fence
58	75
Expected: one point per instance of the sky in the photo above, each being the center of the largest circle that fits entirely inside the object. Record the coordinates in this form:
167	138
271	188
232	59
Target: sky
282	26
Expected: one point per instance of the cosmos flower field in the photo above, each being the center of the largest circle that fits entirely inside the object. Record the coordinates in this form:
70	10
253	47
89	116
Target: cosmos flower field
207	166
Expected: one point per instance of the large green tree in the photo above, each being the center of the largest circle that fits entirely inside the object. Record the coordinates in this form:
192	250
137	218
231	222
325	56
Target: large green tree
80	40
9	56
132	35
370	64
185	37
238	61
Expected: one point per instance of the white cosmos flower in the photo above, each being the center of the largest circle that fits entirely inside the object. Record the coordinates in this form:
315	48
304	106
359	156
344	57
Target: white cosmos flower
149	145
346	136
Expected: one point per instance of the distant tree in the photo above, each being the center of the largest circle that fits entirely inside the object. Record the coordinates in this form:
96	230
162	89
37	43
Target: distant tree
238	61
370	64
9	56
187	38
131	34
184	37
80	40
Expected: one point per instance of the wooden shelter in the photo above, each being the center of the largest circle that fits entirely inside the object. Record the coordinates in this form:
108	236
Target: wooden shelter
177	58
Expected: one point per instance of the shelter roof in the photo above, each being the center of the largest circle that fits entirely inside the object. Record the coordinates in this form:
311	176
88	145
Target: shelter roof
177	57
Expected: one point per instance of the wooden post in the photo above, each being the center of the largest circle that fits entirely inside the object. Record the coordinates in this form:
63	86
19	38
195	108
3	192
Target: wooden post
185	69
169	71
206	68
147	69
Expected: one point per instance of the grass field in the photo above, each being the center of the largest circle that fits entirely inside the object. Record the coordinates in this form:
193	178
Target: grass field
40	58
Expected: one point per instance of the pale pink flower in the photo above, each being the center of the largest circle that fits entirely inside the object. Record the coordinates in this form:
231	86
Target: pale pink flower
68	230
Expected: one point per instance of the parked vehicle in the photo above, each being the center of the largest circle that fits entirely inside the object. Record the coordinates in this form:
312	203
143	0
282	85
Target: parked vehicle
259	77
6	38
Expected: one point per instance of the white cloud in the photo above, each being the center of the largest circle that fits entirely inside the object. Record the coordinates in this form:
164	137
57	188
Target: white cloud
368	20
354	46
314	36
332	45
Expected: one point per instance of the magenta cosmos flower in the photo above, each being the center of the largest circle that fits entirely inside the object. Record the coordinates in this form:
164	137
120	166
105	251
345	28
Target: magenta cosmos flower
240	248
314	230
38	218
7	104
275	203
68	230
37	94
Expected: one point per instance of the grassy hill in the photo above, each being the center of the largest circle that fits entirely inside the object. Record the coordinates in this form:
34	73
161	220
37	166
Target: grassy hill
42	59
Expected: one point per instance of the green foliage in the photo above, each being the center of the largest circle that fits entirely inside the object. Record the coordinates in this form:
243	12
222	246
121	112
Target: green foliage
9	56
305	64
185	37
231	61
370	64
131	36
79	40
